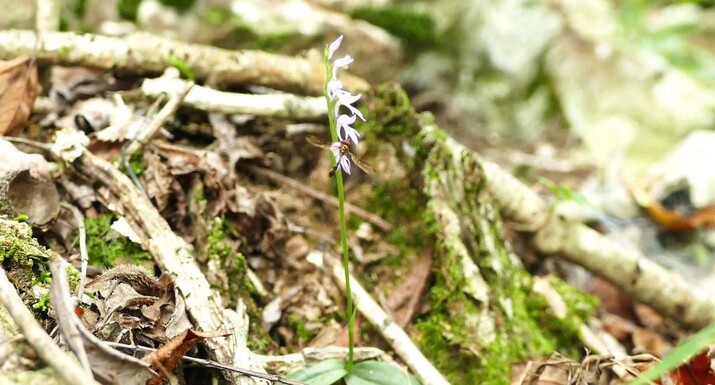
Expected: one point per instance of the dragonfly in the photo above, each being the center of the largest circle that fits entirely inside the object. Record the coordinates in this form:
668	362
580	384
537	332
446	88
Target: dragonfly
343	151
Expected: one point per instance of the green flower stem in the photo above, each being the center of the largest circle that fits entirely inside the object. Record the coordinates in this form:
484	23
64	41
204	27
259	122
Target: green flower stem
346	266
343	223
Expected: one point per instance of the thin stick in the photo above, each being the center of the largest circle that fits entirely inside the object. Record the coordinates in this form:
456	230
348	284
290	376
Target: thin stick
216	365
143	53
393	334
29	142
65	365
64	307
329	199
84	256
207	99
144	136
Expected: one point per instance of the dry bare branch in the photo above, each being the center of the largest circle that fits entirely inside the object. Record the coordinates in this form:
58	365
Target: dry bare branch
143	53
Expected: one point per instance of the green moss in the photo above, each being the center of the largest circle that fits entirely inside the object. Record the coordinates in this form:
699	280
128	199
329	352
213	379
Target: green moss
128	9
415	30
42	304
21	218
233	264
179	5
304	335
106	247
78	7
273	42
136	162
217	15
566	331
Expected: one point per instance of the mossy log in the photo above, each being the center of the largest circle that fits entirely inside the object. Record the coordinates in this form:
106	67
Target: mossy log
483	315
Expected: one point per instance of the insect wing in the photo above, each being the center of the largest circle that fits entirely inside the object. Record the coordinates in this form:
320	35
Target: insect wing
363	166
335	168
316	141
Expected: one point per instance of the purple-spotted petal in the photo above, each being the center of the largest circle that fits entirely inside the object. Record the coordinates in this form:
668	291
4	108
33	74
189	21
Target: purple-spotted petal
345	164
334	46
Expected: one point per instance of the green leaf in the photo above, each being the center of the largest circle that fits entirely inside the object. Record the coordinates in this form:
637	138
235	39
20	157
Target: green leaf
679	355
379	373
183	68
326	372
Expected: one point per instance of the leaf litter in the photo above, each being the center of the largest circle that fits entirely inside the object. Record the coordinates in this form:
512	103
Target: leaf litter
237	222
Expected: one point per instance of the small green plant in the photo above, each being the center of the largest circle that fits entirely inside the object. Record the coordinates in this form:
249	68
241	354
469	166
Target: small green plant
563	193
363	373
42	304
678	356
183	68
21	218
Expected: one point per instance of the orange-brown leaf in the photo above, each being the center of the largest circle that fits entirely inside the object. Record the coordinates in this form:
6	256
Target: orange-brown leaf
166	359
19	87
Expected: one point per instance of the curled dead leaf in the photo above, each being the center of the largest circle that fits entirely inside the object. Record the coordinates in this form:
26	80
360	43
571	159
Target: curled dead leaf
19	86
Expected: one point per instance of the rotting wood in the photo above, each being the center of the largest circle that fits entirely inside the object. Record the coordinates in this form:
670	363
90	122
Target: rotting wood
145	54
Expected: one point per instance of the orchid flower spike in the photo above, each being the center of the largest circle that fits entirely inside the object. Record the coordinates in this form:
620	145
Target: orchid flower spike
338	97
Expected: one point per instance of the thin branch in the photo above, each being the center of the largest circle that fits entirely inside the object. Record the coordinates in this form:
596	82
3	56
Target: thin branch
64	307
84	257
393	334
207	99
216	365
143	53
329	199
65	365
144	136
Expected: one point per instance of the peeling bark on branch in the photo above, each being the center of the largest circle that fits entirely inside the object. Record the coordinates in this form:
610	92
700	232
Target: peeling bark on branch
143	53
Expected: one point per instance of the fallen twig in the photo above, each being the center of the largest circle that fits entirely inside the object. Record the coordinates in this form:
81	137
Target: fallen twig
277	104
295	361
216	365
66	366
64	308
588	336
84	257
329	199
143	136
393	334
143	53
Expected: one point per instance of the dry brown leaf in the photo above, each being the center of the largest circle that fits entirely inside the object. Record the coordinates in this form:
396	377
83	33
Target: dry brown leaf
19	87
167	358
648	341
404	302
